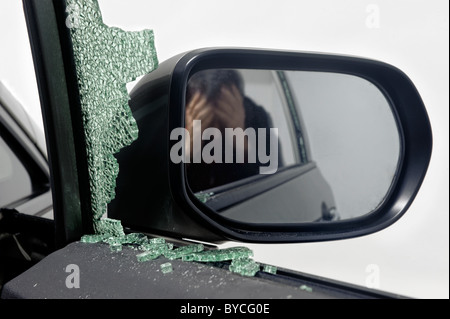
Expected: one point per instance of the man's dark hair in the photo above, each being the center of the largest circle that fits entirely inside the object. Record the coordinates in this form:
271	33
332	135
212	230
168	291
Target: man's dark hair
210	82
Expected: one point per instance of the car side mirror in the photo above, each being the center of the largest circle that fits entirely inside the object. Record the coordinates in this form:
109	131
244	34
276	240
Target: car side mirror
270	146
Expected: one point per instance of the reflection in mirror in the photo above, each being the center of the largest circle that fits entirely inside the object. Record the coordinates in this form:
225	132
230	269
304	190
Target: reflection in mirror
265	146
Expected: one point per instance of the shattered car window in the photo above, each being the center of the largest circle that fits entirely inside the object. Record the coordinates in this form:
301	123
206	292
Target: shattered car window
106	59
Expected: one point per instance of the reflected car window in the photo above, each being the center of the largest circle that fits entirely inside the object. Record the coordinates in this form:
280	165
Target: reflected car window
15	182
238	127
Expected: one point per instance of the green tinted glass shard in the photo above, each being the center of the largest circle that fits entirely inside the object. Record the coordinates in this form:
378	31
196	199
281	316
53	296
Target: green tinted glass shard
156	249
183	251
113	240
244	266
110	227
92	239
270	269
166	268
135	238
147	255
106	58
306	288
157	240
204	197
214	255
238	262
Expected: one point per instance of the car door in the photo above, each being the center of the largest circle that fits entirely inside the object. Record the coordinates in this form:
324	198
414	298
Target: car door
72	223
26	228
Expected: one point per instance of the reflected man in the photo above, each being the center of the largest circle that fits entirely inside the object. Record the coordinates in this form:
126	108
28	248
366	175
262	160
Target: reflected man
233	131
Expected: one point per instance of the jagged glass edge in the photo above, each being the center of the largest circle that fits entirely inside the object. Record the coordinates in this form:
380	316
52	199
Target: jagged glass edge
106	58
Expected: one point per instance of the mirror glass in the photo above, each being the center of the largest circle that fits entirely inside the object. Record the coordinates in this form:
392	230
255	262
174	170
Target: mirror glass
271	146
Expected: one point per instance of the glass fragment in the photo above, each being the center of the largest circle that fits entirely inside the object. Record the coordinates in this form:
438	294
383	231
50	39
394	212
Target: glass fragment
157	240
219	255
92	239
166	268
147	255
244	267
270	269
204	197
136	238
113	240
182	251
306	288
106	58
108	226
162	249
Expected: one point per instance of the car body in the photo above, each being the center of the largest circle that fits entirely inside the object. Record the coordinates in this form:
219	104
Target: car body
306	247
28	247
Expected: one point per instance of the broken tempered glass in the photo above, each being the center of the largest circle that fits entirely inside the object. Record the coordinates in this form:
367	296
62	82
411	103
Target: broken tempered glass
154	248
270	269
106	58
214	255
244	266
204	197
108	226
147	255
183	251
166	268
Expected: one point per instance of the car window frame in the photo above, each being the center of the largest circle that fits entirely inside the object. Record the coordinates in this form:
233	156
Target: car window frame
53	58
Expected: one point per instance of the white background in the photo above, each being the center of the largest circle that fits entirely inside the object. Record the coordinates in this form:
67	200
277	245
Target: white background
411	257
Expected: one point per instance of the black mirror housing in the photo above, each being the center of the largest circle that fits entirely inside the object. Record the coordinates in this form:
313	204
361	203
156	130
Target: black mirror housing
152	191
